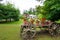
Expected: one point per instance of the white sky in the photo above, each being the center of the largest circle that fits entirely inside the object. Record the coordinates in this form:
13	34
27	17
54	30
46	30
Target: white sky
23	4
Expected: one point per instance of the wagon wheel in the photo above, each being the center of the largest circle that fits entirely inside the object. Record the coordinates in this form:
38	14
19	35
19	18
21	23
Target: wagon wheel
52	29
51	32
28	34
23	27
58	30
31	34
54	26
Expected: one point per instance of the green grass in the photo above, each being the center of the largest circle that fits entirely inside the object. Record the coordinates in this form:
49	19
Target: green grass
11	31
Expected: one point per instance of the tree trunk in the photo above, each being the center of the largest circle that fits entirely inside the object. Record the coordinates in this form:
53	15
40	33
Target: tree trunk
6	20
10	19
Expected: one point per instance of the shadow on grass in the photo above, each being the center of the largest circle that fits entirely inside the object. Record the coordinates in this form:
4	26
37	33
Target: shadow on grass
46	36
12	22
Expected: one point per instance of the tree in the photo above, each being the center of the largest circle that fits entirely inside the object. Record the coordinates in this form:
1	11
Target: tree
30	11
39	9
8	11
52	8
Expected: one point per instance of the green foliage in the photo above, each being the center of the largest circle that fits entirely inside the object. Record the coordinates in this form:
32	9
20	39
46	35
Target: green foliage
39	10
21	16
40	16
52	8
9	12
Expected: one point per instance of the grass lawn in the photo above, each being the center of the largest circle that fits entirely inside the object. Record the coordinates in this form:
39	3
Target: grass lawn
11	31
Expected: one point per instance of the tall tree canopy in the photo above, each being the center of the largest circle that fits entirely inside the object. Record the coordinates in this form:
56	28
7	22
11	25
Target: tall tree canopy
52	8
8	11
